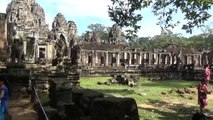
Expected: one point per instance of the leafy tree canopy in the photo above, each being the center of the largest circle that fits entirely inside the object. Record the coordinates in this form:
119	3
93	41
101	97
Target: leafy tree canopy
101	30
126	13
97	27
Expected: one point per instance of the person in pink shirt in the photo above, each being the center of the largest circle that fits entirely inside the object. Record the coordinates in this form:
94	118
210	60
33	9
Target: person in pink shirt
207	74
202	96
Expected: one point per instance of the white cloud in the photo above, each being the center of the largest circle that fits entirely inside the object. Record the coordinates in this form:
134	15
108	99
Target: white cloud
81	8
49	20
3	5
149	31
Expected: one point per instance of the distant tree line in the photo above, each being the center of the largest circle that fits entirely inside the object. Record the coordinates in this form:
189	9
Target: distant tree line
198	42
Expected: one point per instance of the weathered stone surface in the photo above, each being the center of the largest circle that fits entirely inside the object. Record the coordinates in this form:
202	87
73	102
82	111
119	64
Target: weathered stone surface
26	24
116	35
3	42
91	105
60	93
52	113
91	37
82	93
64	34
74	78
73	112
28	15
115	109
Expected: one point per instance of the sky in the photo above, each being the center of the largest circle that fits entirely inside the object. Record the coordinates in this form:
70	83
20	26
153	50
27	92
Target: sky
86	12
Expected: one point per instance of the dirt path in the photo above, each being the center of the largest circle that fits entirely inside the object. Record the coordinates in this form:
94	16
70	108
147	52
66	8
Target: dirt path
20	107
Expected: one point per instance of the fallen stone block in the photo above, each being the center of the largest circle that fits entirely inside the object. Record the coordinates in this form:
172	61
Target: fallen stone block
112	108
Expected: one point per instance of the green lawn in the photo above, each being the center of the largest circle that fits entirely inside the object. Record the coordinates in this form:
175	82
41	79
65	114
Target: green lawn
153	105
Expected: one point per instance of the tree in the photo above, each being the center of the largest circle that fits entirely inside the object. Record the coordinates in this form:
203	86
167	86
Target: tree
125	13
100	29
96	27
208	36
159	41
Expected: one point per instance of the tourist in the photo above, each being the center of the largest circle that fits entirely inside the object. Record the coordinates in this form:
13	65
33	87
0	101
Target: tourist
4	95
202	95
207	74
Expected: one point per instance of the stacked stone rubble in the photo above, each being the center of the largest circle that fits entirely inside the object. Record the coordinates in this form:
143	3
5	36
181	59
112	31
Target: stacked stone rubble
41	82
74	77
60	92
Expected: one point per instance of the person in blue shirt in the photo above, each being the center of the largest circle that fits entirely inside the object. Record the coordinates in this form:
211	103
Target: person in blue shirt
4	96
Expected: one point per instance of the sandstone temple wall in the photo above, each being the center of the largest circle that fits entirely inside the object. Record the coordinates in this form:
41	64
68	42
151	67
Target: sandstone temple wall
3	37
131	58
26	18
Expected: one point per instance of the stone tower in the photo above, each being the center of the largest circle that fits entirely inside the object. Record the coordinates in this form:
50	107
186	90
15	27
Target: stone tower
29	17
61	27
26	20
64	34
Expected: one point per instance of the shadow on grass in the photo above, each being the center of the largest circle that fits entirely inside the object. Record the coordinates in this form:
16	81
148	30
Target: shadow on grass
170	84
168	111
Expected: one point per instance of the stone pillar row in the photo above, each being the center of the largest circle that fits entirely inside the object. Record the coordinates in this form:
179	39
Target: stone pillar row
127	57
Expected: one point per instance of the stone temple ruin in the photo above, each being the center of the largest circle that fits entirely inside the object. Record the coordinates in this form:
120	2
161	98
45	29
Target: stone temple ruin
26	38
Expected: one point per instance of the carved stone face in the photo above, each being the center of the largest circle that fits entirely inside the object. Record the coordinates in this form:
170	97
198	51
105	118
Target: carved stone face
21	13
88	36
72	28
13	17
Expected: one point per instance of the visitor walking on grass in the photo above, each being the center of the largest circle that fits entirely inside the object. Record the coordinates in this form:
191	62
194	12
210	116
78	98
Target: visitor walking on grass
4	96
207	74
202	95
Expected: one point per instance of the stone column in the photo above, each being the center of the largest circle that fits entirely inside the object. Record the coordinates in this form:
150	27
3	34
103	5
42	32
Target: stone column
82	57
150	58
207	60
166	59
196	60
187	60
93	58
5	27
135	58
118	59
200	60
96	58
130	58
125	57
106	59
175	59
156	59
160	58
36	50
86	57
140	59
90	58
144	57
171	59
25	47
47	55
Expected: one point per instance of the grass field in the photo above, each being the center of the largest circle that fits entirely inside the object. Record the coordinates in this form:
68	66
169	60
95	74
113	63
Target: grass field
155	100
